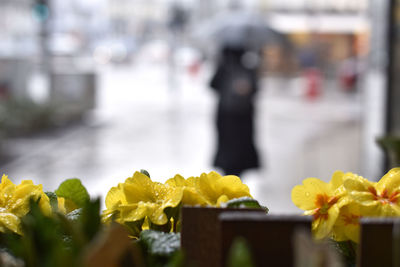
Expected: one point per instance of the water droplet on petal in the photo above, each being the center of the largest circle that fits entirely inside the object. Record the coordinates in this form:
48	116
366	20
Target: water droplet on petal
307	194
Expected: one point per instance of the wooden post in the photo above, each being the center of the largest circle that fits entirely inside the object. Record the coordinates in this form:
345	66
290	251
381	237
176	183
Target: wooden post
270	237
200	234
377	242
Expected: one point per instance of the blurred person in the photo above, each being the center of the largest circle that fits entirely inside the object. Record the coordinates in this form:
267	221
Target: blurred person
240	34
235	80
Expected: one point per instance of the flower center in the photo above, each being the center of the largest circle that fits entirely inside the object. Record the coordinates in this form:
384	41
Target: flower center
384	197
323	204
351	219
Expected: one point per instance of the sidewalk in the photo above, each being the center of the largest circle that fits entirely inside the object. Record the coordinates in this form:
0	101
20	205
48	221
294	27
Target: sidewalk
140	123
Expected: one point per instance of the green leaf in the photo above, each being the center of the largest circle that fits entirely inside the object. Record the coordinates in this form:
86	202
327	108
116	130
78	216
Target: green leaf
90	219
42	243
240	254
135	227
145	172
56	240
160	243
177	260
73	190
347	249
74	215
245	202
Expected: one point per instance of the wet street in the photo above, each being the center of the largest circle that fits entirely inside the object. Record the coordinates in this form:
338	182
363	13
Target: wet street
146	120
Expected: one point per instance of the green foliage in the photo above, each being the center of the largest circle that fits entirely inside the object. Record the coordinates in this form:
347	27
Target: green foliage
348	250
160	243
245	202
391	145
73	190
240	254
53	201
54	240
66	240
161	249
135	227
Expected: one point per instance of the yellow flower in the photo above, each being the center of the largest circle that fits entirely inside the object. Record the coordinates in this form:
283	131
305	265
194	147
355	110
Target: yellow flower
347	226
216	189
379	198
14	202
321	200
209	189
191	195
61	205
138	198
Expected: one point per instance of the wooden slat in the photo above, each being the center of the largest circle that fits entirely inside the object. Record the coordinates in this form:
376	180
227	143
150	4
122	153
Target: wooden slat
376	244
270	237
200	234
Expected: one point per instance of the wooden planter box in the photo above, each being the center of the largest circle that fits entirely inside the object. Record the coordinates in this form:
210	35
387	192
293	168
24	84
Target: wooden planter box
380	242
270	238
207	235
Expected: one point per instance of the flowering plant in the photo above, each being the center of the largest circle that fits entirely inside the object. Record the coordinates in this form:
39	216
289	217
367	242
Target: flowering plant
337	206
139	226
140	203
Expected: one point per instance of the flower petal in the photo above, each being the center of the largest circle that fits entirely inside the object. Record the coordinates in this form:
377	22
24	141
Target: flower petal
115	197
322	227
139	188
304	196
157	216
232	187
178	180
134	212
390	181
222	199
192	197
11	222
337	180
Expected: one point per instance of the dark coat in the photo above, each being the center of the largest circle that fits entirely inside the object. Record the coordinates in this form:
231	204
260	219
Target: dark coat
236	86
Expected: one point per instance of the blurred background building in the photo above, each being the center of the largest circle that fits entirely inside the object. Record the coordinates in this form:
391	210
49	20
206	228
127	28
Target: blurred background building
97	89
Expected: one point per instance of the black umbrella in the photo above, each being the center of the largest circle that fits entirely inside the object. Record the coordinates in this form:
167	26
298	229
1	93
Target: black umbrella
240	29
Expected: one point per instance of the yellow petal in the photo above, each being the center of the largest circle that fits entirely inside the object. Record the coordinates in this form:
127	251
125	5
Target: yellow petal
347	226
178	180
304	196
168	195
192	181
5	181
359	191
358	184
206	186
11	222
212	186
390	181
364	198
44	204
61	205
337	180
133	212
192	197
232	187
114	198
157	216
322	227
139	188
222	199
388	210
345	233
